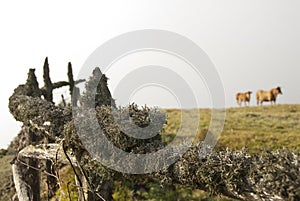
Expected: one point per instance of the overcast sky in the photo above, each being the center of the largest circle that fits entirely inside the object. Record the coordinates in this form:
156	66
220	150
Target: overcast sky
253	44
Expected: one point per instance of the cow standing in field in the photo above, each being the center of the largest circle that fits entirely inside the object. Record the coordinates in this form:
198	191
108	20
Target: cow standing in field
243	97
267	96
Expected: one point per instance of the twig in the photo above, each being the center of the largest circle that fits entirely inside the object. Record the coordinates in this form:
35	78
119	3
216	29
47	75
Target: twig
74	170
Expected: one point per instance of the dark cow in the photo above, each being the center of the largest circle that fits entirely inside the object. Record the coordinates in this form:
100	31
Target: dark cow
243	97
267	96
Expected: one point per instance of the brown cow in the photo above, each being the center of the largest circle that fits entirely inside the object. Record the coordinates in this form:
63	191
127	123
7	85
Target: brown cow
243	97
267	96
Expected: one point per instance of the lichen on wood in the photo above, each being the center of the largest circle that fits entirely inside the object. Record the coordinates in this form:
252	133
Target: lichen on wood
264	176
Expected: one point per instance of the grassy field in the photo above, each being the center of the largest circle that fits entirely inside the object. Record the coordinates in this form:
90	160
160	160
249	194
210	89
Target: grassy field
6	184
254	128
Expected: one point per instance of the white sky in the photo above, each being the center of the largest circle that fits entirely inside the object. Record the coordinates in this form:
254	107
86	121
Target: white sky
253	44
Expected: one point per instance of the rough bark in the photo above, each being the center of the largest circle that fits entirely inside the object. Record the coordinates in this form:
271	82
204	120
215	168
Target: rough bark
33	178
48	87
22	188
74	91
26	178
49	151
97	92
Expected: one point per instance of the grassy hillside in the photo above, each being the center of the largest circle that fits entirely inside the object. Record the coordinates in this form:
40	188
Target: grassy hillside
256	128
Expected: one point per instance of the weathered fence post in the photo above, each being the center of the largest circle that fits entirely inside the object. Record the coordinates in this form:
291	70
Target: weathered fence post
22	188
